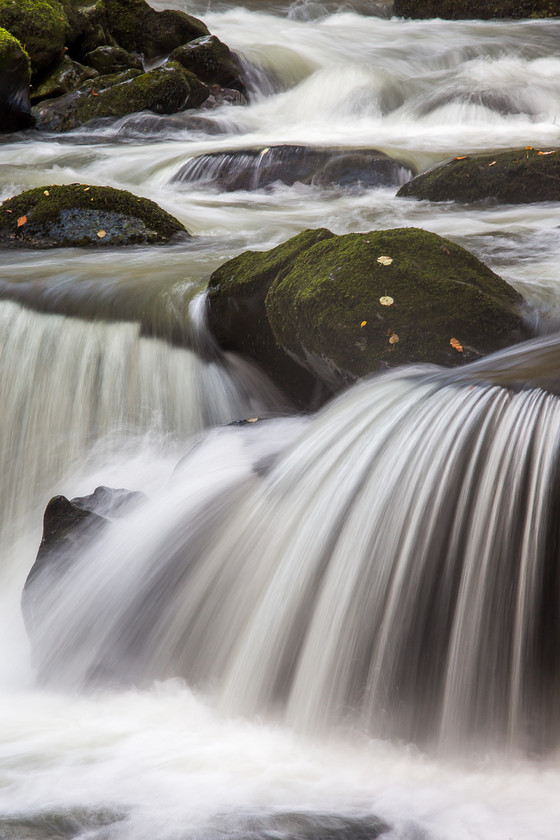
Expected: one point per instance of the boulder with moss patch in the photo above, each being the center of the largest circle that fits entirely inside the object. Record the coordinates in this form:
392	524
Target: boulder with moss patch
82	215
520	176
164	90
212	61
41	26
139	28
15	75
345	306
477	9
107	60
62	79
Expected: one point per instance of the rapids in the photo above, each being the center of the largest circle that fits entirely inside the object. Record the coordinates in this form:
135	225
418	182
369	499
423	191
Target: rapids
348	616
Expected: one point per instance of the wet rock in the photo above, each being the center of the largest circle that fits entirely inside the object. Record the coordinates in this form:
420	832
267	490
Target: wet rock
80	215
164	90
41	25
222	96
69	528
63	78
212	61
15	75
89	28
252	169
343	307
238	318
477	9
107	60
139	28
303	826
520	176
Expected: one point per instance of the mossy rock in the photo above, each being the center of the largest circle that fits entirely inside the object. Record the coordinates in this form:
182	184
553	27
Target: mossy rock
477	9
89	27
212	61
40	25
329	305
343	313
520	176
237	314
139	28
62	79
164	90
107	60
82	215
15	75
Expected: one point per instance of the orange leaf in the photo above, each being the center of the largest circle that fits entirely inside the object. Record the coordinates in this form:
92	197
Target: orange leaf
21	221
93	93
456	345
555	152
461	157
101	234
492	164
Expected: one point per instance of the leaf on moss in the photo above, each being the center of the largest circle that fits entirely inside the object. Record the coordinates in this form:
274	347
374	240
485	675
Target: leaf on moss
102	234
394	339
46	192
461	157
456	345
554	152
22	221
385	300
363	323
385	260
493	163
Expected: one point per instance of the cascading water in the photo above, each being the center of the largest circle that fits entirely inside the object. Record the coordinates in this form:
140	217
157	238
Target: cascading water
312	624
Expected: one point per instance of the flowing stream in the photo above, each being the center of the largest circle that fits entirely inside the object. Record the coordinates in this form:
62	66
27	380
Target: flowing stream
312	624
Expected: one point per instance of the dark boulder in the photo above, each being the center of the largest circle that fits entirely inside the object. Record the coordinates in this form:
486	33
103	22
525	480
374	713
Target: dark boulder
212	61
15	75
252	169
520	176
61	79
107	60
477	9
139	28
40	25
343	307
164	90
80	215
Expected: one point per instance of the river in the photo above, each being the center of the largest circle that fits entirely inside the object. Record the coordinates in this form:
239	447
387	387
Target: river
332	649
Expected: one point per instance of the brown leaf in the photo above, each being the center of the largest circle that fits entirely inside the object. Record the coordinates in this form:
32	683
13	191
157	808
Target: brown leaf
21	221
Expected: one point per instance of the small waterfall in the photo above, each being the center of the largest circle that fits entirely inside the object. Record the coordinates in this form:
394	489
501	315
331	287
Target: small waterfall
390	564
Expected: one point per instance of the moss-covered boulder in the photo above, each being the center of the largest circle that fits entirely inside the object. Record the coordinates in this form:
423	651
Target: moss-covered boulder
15	75
62	79
82	215
212	61
139	28
520	176
40	25
477	9
108	60
89	27
345	306
164	90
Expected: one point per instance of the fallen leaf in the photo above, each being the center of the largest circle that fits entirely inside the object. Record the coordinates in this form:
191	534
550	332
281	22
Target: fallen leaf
93	93
46	192
252	419
385	260
555	152
456	345
529	148
21	221
386	300
492	164
9	211
86	189
461	157
363	323
445	250
394	339
102	234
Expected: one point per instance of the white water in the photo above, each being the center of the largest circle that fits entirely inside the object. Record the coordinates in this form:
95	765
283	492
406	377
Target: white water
173	759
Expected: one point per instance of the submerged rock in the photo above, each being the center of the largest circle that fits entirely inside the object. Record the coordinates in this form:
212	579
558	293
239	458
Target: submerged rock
164	90
40	25
342	307
520	176
252	169
79	215
477	9
15	75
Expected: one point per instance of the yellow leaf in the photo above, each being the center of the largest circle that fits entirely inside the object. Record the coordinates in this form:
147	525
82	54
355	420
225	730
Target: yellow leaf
529	148
456	345
21	221
102	234
46	192
386	300
252	419
394	339
86	189
385	260
363	323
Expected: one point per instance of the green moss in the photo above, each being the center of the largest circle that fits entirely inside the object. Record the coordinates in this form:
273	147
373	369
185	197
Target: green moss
139	28
40	25
64	216
440	292
477	9
12	53
516	177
